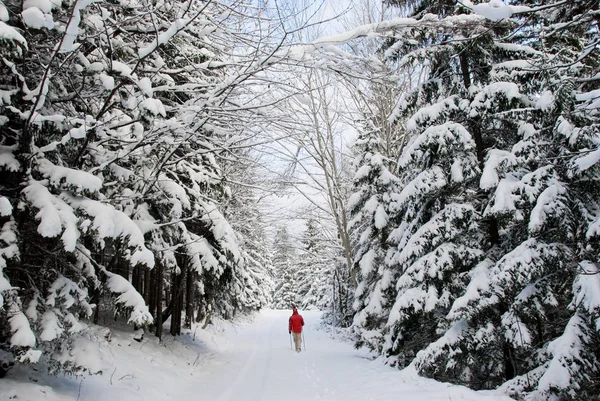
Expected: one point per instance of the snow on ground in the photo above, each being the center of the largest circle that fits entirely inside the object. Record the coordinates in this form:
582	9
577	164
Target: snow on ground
247	361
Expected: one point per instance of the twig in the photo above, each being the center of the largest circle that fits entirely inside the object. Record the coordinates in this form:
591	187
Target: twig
111	376
79	391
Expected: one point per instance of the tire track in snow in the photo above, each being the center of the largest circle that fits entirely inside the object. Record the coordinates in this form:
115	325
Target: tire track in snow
267	366
246	385
262	367
235	386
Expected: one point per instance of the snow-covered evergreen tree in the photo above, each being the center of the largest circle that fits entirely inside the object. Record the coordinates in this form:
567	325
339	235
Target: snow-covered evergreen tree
255	282
437	236
518	316
529	307
495	221
314	271
112	123
374	186
285	291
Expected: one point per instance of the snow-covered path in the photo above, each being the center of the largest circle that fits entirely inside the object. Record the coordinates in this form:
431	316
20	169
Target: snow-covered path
260	366
245	361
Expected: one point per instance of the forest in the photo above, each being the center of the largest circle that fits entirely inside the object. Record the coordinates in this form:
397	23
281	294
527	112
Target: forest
425	172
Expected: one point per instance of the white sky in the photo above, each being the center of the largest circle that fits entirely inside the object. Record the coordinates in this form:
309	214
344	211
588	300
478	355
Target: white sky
285	208
290	208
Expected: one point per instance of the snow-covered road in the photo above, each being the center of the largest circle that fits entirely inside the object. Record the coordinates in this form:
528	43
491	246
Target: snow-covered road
245	361
260	366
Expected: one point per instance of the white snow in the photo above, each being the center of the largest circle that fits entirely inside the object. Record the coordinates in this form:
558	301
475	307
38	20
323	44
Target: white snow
486	98
3	13
31	356
370	205
564	349
588	160
449	137
44	6
121	68
479	284
494	10
426	183
366	262
72	30
9	33
366	30
381	217
362	172
52	328
8	251
129	298
456	171
591	99
586	288
145	84
5	96
546	101
549	202
504	199
76	179
96	66
8	160
34	18
515	47
108	82
32	309
432	112
163	37
154	106
84	353
54	214
112	223
5	206
450	337
22	335
201	252
249	360
496	158
515	331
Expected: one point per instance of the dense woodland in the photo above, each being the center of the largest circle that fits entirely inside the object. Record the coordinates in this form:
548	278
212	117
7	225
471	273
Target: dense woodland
458	230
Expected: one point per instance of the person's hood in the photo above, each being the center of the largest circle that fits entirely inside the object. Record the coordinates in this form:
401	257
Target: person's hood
294	311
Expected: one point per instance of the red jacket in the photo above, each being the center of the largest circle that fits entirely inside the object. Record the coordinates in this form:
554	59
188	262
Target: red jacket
296	322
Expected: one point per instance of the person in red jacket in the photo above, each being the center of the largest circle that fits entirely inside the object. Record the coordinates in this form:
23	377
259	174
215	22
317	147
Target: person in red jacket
295	327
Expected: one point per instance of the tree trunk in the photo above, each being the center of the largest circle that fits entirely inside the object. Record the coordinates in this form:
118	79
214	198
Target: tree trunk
173	329
509	363
147	274
134	278
492	223
180	299
189	298
153	293
177	301
327	161
159	294
200	313
140	279
96	301
475	129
